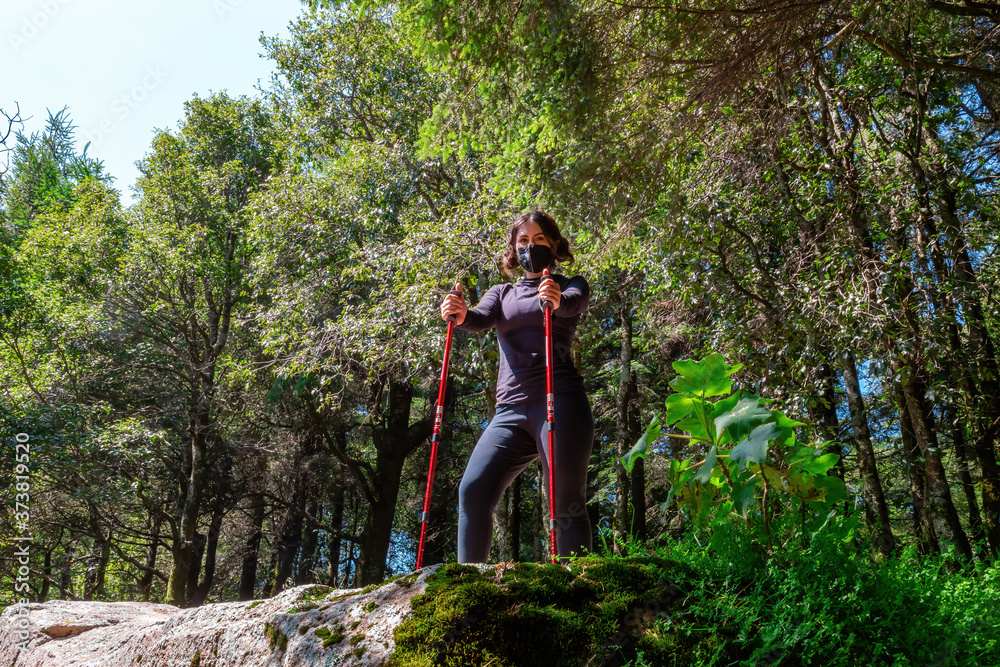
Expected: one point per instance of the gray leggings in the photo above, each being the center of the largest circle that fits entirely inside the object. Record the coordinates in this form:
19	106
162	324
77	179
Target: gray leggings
517	435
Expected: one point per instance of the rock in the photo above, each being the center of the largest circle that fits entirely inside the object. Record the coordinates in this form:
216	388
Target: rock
308	625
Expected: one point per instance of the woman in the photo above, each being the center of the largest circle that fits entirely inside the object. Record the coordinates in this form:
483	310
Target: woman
518	433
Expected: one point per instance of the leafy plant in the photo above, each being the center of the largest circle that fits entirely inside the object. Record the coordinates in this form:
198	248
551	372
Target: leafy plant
754	465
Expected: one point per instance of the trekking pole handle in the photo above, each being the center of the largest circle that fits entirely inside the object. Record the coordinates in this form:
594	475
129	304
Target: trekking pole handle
542	303
453	318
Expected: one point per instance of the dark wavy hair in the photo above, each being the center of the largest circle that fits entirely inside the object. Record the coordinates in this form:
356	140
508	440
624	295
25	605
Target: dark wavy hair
549	228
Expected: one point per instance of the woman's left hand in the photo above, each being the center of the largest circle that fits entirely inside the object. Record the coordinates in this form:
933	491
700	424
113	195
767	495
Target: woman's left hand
548	290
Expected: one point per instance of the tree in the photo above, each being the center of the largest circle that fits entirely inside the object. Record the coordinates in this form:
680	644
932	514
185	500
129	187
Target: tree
185	280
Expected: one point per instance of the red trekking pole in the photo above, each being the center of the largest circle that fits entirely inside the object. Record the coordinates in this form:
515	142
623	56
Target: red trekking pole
550	418
435	437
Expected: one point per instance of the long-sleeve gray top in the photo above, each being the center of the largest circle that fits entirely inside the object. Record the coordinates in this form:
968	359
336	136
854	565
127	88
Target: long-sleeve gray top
513	309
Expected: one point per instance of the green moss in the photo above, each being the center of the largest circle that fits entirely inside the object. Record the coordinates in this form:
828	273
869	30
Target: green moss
330	637
355	624
356	639
370	587
359	651
275	637
553	615
138	658
196	660
303	607
370	606
407	581
256	603
316	592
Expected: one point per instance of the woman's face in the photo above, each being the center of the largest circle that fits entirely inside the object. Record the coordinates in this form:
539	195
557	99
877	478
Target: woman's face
531	232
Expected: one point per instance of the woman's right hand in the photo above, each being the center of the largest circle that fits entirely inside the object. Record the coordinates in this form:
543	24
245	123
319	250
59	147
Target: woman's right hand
454	304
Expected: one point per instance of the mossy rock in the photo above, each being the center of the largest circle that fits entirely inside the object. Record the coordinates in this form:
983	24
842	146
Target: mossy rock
596	610
276	639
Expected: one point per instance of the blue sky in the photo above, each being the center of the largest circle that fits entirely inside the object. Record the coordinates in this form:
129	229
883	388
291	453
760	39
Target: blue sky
125	67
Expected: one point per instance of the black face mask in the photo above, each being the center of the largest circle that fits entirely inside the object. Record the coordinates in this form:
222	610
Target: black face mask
534	258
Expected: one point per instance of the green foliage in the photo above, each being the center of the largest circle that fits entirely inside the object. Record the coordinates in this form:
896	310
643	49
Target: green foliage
46	169
766	455
830	604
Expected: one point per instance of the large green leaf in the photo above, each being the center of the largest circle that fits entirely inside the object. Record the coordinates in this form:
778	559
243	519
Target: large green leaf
678	406
743	497
804	487
699	500
704	474
638	451
778	479
748	413
696	428
708	377
816	462
836	492
753	448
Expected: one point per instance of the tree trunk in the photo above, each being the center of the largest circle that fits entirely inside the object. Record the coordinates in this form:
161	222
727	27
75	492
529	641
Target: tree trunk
350	563
968	486
378	527
503	544
211	547
393	441
43	594
197	554
876	510
923	523
514	527
290	534
310	540
98	567
938	494
200	421
907	363
272	566
146	582
963	372
593	483
985	408
289	540
624	513
66	570
336	527
540	538
251	551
